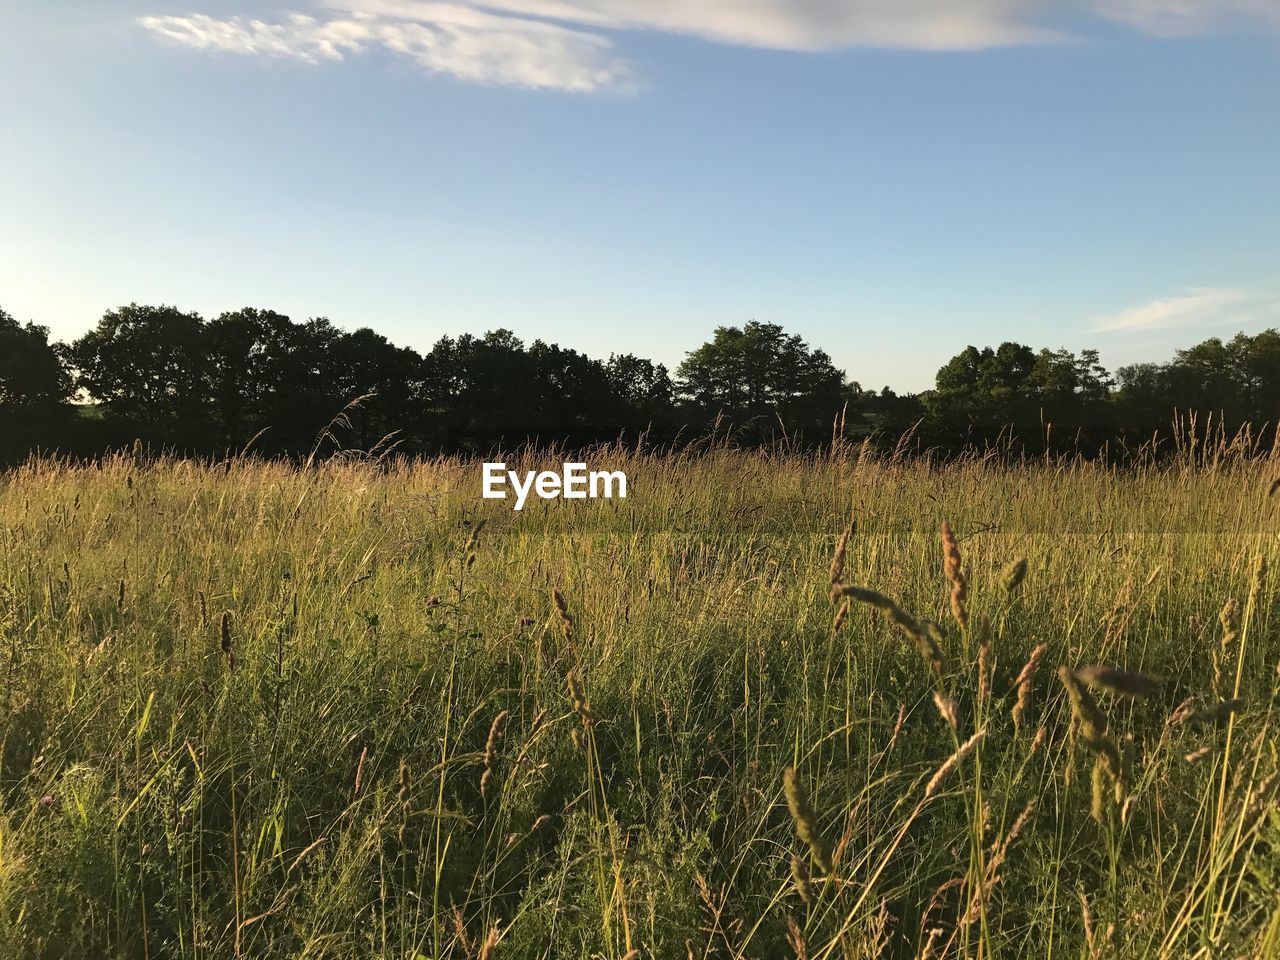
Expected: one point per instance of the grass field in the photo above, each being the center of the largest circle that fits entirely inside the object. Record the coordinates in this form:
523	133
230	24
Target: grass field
257	711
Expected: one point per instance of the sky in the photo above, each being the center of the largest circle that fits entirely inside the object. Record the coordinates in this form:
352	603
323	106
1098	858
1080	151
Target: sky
890	179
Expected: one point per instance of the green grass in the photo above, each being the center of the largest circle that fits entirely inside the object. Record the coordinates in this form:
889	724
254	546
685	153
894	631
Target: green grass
315	790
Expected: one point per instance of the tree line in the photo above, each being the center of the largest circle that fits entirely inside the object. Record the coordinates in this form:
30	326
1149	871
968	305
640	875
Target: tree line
173	380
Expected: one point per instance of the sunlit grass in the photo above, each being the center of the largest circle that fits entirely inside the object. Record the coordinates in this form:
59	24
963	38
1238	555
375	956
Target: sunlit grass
252	710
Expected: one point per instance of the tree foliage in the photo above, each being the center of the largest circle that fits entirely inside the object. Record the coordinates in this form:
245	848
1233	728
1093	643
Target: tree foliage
178	381
1016	391
761	377
31	372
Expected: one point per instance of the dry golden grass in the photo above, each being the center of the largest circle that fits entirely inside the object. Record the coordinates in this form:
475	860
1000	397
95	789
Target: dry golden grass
352	710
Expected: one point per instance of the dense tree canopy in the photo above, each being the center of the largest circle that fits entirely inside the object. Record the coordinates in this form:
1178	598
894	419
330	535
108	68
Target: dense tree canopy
149	366
1018	391
1237	381
761	377
35	387
177	381
31	372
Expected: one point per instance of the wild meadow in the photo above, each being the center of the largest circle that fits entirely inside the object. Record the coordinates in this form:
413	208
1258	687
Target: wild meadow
770	705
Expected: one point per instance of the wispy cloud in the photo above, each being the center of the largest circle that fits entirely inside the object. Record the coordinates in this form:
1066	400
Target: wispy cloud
569	44
461	41
1196	306
1177	18
778	24
298	36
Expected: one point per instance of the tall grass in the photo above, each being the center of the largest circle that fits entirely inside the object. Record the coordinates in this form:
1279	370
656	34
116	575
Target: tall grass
767	706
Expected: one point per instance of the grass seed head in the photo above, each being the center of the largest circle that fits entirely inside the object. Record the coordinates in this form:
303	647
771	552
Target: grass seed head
1090	721
1026	691
837	560
494	739
1088	716
795	940
806	821
841	615
228	647
538	719
579	698
1259	577
1102	783
928	637
491	745
406	785
800	874
562	611
1215	712
1121	682
947	707
404	798
460	930
984	671
1019	825
954	761
1042	734
1033	662
359	777
1025	703
474	538
1198	754
953	568
863	595
1182	713
1229	617
490	945
1014	574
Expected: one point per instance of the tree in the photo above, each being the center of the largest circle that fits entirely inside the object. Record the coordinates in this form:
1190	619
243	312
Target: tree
1144	403
1205	378
481	391
148	367
493	391
1071	395
31	372
645	391
980	394
1257	361
758	375
34	389
576	401
1234	383
248	362
1016	392
365	364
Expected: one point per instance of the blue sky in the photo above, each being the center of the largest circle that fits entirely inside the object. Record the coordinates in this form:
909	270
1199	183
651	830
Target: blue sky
892	179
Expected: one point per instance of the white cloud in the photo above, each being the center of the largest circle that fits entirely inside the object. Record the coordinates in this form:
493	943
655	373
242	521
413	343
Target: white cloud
567	44
778	24
464	42
1177	18
299	36
1198	306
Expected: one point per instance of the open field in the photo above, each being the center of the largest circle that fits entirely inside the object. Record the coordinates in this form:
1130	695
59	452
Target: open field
257	711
